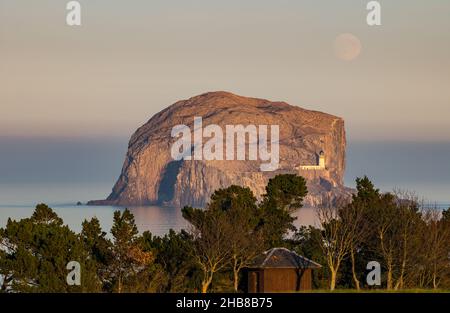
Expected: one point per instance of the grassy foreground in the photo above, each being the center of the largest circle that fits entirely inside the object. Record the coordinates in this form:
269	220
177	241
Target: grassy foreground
415	290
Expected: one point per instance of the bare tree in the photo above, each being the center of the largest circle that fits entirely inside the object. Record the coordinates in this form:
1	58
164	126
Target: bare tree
245	246
408	219
385	219
211	246
339	230
434	248
395	220
355	214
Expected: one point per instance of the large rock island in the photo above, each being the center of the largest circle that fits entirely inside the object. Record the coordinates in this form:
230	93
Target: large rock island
311	144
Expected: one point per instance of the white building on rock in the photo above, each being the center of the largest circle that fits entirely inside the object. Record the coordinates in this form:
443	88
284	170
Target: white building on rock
320	166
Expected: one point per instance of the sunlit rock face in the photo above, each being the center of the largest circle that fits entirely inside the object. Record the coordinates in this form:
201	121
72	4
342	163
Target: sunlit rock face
150	175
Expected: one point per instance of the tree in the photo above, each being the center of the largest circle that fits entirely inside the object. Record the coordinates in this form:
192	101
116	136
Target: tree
433	259
241	213
284	193
446	215
45	215
173	254
387	231
339	230
210	232
394	221
97	246
408	221
35	252
359	208
132	268
307	241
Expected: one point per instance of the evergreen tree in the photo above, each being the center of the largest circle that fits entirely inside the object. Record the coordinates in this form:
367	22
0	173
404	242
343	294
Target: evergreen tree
36	251
284	193
173	253
132	269
98	247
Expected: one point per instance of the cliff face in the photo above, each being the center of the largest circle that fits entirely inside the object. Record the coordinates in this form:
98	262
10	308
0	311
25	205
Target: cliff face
150	175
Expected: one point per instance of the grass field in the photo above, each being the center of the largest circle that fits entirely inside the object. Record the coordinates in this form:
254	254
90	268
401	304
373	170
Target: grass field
379	291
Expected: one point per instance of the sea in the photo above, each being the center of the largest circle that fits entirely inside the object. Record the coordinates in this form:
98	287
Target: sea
64	171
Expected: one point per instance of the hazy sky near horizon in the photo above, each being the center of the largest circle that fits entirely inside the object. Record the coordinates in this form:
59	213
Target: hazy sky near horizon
131	59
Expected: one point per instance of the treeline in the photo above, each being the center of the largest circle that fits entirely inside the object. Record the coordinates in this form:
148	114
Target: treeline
411	244
410	241
223	239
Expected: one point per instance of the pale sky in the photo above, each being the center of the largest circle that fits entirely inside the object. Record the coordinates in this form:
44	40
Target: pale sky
131	59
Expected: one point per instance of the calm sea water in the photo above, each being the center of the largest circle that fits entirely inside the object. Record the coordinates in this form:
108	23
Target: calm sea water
155	219
158	220
62	198
61	172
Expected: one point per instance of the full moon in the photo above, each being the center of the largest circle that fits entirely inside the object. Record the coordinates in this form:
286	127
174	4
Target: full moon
347	47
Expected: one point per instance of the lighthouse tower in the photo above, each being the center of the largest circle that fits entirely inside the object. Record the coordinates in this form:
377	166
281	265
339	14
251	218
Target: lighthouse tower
322	160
